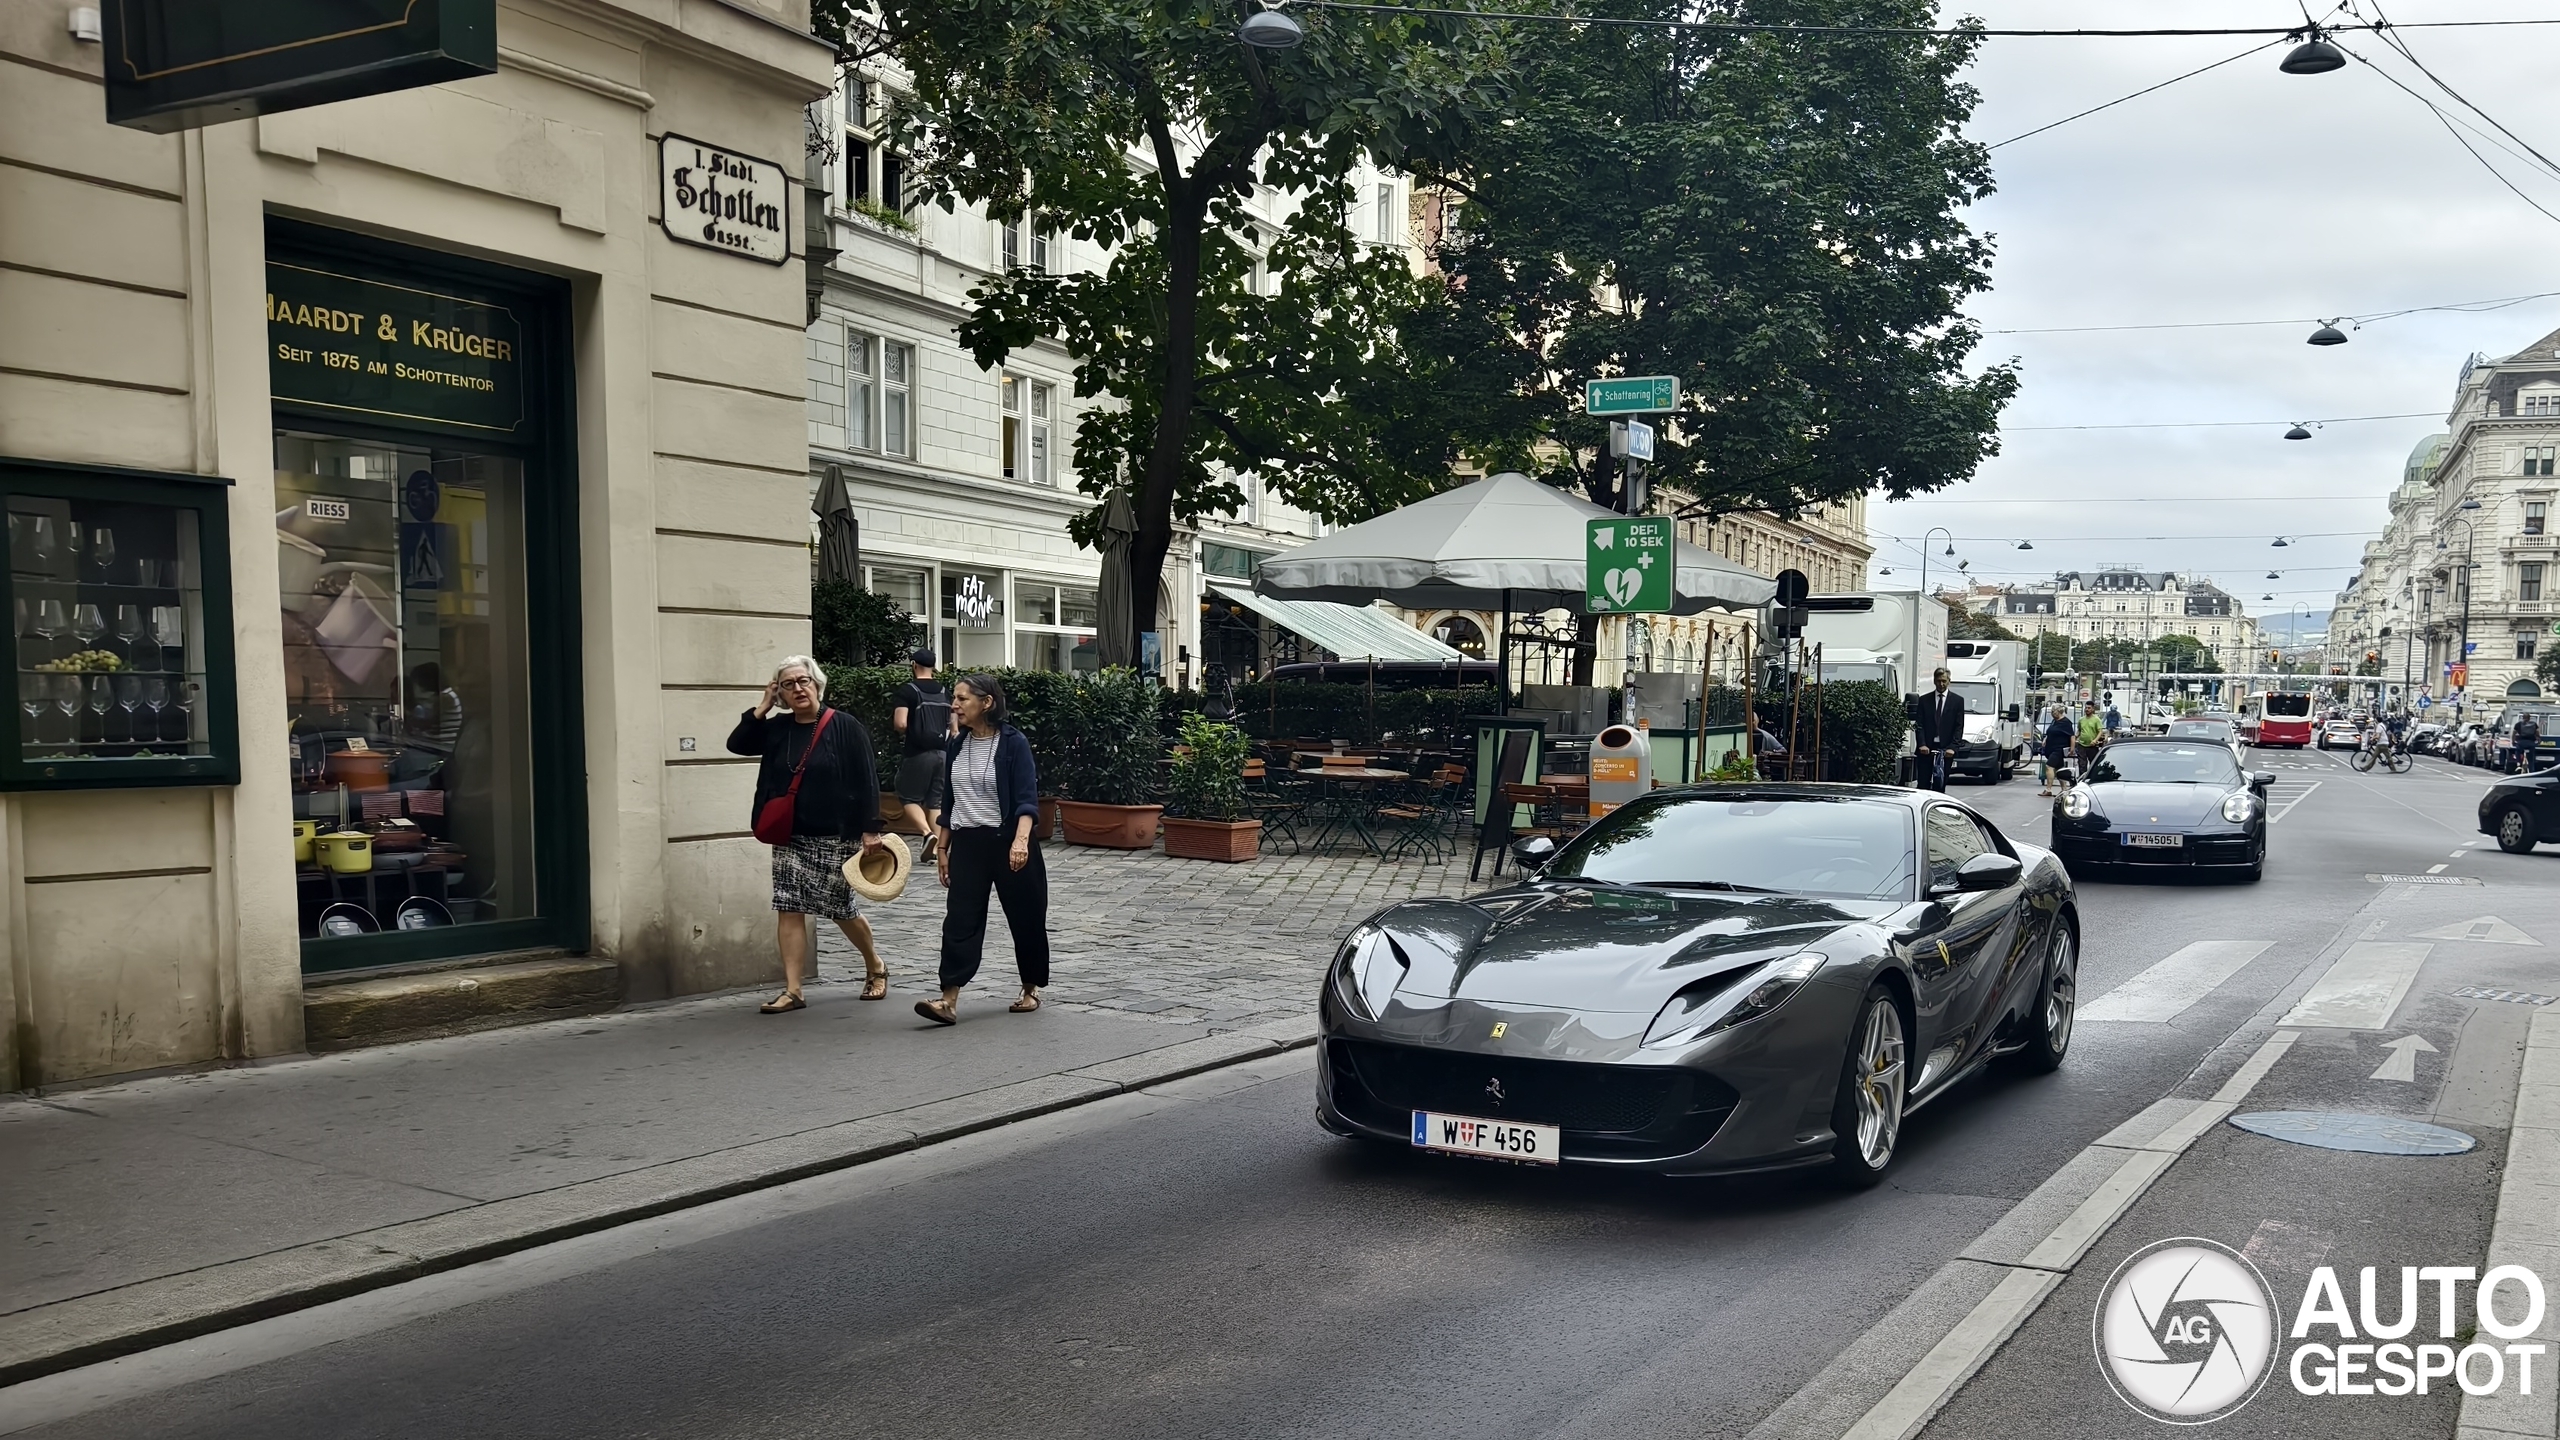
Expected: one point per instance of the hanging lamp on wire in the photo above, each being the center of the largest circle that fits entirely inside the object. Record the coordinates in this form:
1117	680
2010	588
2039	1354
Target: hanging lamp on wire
1268	29
2314	56
2329	333
2297	432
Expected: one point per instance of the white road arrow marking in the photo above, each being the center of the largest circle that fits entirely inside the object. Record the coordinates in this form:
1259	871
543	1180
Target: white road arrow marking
2403	1064
2488	929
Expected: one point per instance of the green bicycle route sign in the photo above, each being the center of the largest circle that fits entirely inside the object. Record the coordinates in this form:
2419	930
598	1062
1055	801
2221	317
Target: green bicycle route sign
1631	395
1627	565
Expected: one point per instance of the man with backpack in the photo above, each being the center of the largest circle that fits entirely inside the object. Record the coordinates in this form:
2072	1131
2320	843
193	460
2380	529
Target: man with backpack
921	714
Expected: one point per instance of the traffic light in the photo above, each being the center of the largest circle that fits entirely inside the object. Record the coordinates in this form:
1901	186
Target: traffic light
2275	657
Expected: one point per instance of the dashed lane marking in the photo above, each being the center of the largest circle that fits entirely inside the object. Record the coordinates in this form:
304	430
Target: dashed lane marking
2438	869
2362	989
2169	987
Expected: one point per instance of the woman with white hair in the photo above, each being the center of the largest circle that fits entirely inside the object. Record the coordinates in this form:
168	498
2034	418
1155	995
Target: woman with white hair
817	803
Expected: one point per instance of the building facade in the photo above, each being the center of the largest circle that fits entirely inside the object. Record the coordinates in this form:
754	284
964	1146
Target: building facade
2380	619
2122	603
2466	563
425	469
963	478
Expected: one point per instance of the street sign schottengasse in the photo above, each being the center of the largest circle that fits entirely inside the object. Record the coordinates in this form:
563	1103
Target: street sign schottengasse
1631	395
1627	562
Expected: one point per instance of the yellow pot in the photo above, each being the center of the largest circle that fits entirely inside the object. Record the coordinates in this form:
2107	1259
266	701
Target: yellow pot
304	831
348	852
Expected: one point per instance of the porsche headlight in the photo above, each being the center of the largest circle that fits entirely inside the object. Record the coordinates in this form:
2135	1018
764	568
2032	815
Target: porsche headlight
2238	806
2075	803
1693	1013
1366	970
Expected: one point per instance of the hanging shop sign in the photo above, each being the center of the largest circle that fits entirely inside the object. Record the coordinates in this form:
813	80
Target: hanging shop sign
371	349
181	64
722	200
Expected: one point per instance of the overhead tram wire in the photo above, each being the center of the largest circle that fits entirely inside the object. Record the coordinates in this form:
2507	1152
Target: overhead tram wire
2223	424
1746	27
2136	95
2451	129
2459	307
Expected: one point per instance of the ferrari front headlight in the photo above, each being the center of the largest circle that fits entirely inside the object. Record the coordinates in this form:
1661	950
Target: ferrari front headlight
1366	970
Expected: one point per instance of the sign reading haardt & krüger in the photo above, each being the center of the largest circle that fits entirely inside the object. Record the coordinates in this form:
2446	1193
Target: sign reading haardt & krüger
372	349
722	200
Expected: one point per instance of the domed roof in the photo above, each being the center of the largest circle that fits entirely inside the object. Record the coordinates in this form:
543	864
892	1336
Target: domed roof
2423	457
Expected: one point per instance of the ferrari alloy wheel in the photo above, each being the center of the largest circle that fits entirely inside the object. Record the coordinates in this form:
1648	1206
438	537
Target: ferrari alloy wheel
1867	1115
2049	1033
2515	830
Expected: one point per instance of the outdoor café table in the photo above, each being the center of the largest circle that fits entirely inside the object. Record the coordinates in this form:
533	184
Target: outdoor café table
1345	806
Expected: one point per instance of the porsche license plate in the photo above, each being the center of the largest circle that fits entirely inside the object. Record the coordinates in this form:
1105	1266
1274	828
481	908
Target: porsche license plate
1492	1139
2155	842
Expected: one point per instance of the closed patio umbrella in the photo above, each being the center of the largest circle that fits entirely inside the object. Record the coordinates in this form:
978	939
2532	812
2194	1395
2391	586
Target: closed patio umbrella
839	533
1114	641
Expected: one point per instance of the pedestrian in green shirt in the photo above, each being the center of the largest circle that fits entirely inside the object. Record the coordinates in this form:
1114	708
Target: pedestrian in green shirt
2093	728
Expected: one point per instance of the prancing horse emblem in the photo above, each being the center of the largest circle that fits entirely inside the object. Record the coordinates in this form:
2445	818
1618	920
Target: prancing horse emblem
1493	1090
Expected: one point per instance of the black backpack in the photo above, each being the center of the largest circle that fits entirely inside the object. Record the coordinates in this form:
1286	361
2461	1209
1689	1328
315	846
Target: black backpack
928	721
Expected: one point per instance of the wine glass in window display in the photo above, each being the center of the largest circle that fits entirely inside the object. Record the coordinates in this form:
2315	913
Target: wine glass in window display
44	543
98	696
129	642
53	621
155	698
89	623
169	636
177	722
102	551
127	724
35	705
65	690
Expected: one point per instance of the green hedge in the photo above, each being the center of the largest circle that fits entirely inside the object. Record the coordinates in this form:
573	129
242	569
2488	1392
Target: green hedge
1862	725
1305	709
1050	709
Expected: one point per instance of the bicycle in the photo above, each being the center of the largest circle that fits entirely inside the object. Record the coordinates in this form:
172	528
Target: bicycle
2386	752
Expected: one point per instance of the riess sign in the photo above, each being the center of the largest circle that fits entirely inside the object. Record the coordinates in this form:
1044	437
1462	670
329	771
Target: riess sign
722	200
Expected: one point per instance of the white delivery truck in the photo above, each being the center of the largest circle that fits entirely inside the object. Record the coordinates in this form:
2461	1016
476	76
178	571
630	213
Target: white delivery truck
1991	675
1895	636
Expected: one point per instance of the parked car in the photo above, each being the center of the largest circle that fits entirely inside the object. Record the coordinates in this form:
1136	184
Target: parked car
2341	735
2423	738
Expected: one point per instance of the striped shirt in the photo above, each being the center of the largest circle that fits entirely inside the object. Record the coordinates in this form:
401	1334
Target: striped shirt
973	786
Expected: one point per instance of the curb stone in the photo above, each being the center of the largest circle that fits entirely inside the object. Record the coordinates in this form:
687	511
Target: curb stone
101	1326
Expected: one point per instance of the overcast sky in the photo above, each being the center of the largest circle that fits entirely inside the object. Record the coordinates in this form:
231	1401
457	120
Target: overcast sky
2241	194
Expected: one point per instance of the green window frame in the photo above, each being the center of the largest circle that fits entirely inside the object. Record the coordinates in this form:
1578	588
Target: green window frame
207	499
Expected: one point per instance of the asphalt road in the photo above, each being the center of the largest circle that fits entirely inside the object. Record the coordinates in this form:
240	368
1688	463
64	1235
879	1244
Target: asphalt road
1203	1261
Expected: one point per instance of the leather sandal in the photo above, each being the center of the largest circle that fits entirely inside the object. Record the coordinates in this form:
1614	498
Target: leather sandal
782	1004
1029	1002
875	986
932	1010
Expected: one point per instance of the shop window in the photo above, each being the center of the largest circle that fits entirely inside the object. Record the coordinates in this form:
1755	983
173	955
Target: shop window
122	668
1462	635
1229	562
1053	627
972	615
904	587
408	695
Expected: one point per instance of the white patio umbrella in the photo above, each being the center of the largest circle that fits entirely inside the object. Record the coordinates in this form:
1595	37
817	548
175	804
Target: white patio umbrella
1505	543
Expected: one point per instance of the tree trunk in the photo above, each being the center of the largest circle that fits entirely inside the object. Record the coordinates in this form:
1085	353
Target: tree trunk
1186	213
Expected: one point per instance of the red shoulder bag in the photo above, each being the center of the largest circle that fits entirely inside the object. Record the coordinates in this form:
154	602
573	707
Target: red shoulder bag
774	822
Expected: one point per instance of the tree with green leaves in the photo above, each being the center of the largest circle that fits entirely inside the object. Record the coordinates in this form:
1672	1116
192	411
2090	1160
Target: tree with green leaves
1775	218
1967	624
1146	127
2185	654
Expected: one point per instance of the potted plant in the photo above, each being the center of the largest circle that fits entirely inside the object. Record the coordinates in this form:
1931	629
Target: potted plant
1110	784
1208	789
1043	706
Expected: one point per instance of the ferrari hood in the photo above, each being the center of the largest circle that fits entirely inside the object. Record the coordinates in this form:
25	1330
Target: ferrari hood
2130	804
1596	950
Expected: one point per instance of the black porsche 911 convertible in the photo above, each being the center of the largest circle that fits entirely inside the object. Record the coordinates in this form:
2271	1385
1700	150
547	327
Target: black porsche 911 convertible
1709	980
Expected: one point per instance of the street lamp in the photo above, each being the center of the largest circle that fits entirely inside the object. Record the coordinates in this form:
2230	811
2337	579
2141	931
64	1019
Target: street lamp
2314	56
1268	29
2462	656
2328	334
1924	554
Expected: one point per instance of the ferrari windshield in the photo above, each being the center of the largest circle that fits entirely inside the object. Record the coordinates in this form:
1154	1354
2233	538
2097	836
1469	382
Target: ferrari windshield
2165	765
1794	844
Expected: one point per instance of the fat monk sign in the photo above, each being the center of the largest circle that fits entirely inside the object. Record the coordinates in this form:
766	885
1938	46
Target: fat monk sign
722	200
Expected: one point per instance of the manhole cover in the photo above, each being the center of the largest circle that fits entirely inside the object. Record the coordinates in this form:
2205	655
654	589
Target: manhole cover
2372	1134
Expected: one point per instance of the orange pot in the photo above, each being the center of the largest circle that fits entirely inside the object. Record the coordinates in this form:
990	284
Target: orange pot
361	769
1110	827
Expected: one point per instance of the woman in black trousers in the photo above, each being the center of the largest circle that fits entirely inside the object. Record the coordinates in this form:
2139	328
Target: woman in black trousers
990	801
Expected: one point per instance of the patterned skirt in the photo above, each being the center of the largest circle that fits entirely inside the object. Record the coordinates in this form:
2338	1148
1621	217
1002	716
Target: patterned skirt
808	877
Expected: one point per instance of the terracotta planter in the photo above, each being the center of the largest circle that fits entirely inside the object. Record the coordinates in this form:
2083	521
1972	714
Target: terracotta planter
1110	827
1232	841
1046	827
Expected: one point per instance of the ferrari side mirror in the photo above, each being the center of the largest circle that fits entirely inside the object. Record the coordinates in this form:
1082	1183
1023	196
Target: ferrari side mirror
1532	852
1989	870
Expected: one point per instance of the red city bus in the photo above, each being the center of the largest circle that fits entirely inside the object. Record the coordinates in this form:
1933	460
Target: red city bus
2284	720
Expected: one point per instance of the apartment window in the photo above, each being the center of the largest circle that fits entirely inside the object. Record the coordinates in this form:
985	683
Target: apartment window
873	173
2525	640
1228	562
1023	245
897	364
2538	458
2544	404
2529	580
1043	397
861	394
2534	513
1384	221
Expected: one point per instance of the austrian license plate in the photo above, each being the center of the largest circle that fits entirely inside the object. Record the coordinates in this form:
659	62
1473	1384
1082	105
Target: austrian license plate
1492	1139
2154	842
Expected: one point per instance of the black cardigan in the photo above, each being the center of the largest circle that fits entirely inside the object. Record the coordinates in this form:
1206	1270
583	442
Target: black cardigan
839	792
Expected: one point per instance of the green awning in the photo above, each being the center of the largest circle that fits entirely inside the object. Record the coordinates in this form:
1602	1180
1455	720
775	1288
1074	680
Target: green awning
1351	632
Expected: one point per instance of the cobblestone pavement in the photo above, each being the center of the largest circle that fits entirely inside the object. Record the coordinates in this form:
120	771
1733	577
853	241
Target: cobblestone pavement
1183	941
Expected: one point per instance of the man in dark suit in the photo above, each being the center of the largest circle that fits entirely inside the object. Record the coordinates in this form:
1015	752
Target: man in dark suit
1937	721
